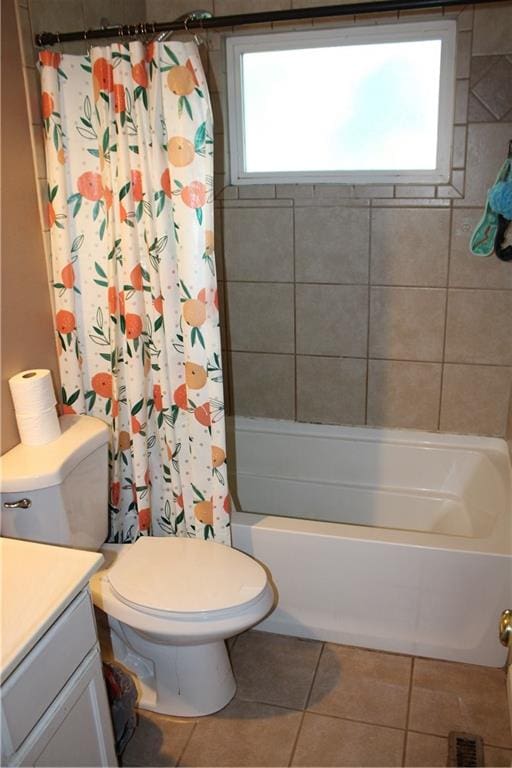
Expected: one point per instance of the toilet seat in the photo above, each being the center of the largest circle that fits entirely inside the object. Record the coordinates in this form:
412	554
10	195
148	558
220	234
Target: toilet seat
173	578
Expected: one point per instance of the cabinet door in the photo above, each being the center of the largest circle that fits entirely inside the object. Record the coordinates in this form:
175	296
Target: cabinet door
77	729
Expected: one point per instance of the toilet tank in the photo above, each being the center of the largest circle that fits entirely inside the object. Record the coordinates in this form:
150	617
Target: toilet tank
64	483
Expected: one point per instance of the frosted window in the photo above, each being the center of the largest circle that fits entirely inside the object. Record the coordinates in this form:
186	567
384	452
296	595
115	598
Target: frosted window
368	104
353	107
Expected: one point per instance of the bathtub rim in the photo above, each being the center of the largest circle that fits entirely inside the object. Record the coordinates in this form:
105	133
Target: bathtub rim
492	546
495	448
394	435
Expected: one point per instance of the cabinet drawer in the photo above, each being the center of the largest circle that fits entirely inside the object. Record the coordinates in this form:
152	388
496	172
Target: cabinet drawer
32	687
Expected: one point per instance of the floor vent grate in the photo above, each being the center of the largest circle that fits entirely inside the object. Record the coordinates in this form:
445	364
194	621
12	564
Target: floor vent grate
465	750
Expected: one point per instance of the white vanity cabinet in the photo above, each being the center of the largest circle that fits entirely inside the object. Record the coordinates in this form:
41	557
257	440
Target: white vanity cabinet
54	704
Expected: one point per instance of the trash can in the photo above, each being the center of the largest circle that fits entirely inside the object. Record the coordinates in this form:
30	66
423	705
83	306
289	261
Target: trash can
122	696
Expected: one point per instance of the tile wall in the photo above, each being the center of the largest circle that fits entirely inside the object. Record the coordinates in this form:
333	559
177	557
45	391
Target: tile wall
355	304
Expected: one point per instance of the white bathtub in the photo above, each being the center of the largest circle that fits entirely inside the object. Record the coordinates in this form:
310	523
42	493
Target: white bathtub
388	539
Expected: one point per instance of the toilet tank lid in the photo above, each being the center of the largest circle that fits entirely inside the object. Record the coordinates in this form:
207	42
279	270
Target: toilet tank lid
30	468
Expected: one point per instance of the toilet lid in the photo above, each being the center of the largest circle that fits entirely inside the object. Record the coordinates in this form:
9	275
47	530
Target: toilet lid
185	576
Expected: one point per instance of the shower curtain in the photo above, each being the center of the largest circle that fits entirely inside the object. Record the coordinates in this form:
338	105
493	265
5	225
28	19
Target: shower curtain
129	151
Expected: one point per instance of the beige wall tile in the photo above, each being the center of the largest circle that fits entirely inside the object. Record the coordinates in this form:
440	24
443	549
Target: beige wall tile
260	317
492	31
312	3
467	270
56	15
407	323
331	390
487	149
475	399
477	113
416	202
494	90
333	192
162	10
463	54
258	244
463	14
449	191
332	320
251	191
329	741
295	191
479	327
409	247
255	203
332	245
98	13
217	72
461	101
412	190
403	394
459	146
509	424
263	385
374	190
227	7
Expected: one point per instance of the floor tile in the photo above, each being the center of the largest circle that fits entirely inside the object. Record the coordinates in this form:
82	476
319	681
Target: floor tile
329	741
460	697
244	734
362	685
158	740
425	750
274	669
497	758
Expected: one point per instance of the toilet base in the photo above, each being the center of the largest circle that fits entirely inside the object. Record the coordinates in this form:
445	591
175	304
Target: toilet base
180	680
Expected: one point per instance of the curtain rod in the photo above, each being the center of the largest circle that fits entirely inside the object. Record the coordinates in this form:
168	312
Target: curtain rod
194	22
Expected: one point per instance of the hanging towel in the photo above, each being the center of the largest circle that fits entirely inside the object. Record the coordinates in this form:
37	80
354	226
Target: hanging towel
498	203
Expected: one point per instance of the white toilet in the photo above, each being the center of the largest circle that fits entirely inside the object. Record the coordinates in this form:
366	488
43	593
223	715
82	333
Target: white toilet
170	602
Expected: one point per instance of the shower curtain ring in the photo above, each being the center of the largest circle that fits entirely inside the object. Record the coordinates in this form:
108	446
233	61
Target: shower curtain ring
197	39
85	34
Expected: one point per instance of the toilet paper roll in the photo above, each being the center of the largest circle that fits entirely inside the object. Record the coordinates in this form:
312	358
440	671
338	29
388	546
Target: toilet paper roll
38	428
32	391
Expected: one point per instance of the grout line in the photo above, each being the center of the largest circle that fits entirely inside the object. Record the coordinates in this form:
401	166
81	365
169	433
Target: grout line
442	287
374	359
295	380
367	382
408	711
187	742
296	740
313	679
355	720
306	703
445	331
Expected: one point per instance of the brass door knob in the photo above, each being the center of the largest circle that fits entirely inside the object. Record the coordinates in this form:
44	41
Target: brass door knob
505	630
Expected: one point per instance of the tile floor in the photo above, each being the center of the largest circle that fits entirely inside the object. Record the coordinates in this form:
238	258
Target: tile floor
308	703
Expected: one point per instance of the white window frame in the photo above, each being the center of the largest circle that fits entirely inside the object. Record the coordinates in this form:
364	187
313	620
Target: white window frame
237	46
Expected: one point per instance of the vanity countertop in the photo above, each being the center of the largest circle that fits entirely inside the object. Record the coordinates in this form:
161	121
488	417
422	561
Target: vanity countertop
37	582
